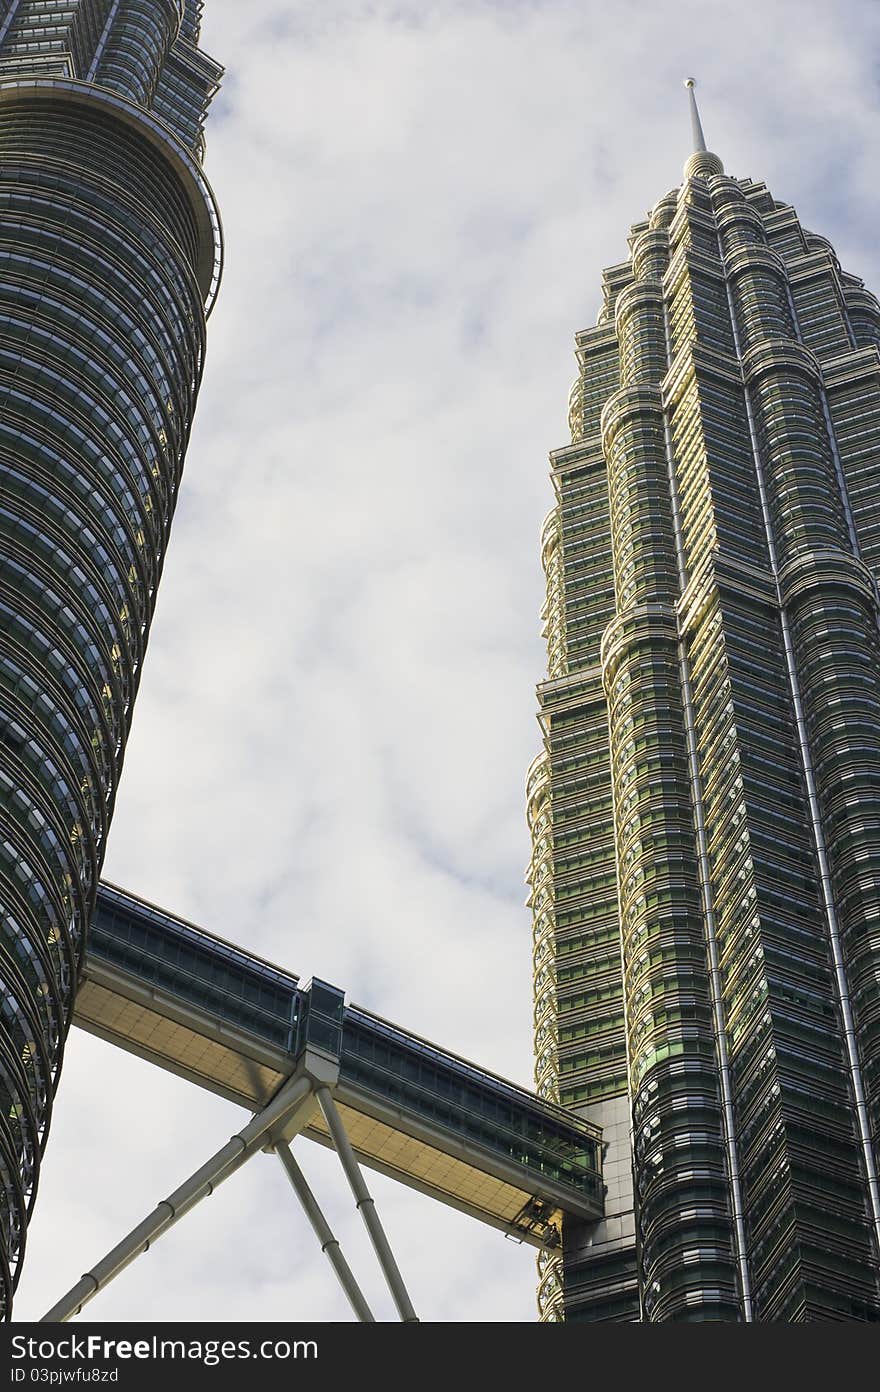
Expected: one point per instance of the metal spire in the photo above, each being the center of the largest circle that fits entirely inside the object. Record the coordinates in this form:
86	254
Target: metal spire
696	126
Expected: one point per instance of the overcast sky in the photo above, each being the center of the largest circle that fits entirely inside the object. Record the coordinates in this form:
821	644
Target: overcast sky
337	710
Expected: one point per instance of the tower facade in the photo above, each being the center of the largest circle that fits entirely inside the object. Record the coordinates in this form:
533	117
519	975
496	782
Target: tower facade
110	255
705	810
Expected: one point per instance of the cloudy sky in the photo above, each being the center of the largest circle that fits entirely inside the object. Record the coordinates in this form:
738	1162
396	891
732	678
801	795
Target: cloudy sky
337	711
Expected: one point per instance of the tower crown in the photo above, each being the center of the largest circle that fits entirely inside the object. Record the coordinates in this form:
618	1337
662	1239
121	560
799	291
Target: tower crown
702	163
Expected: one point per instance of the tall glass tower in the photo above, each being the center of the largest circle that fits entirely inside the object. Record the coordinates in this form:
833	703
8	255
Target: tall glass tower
705	811
110	256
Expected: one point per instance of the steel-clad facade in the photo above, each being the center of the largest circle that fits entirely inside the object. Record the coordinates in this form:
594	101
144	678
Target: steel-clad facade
705	811
109	257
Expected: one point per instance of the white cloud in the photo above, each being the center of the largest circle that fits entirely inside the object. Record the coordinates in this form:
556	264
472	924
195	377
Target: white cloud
337	710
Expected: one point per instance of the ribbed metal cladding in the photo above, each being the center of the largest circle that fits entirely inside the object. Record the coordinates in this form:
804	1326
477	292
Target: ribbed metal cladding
108	251
133	47
684	1221
710	780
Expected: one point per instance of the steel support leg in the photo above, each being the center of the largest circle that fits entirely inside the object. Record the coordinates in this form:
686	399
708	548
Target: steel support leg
366	1207
329	1244
205	1180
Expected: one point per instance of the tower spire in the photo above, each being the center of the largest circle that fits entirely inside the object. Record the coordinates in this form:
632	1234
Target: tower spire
696	125
701	163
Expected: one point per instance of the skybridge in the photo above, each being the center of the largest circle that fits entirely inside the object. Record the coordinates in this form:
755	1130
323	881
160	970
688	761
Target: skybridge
306	1063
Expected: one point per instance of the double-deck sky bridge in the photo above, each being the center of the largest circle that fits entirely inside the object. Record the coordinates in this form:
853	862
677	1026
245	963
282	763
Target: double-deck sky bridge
306	1063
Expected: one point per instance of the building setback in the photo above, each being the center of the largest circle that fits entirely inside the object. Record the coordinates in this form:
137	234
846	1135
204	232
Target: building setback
705	811
110	255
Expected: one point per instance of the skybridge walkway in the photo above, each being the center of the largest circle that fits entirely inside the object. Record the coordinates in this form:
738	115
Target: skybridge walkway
224	1019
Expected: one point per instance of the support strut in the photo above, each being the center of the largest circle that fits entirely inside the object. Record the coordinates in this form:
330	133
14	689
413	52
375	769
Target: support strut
205	1180
366	1207
329	1244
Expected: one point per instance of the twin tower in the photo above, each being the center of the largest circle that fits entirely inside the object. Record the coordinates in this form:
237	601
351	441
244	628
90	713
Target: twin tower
706	809
110	258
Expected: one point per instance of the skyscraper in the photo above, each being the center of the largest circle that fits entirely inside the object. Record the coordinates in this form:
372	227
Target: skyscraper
110	254
705	811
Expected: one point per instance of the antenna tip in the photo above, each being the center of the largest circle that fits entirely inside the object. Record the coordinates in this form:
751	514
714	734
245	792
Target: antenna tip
690	82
